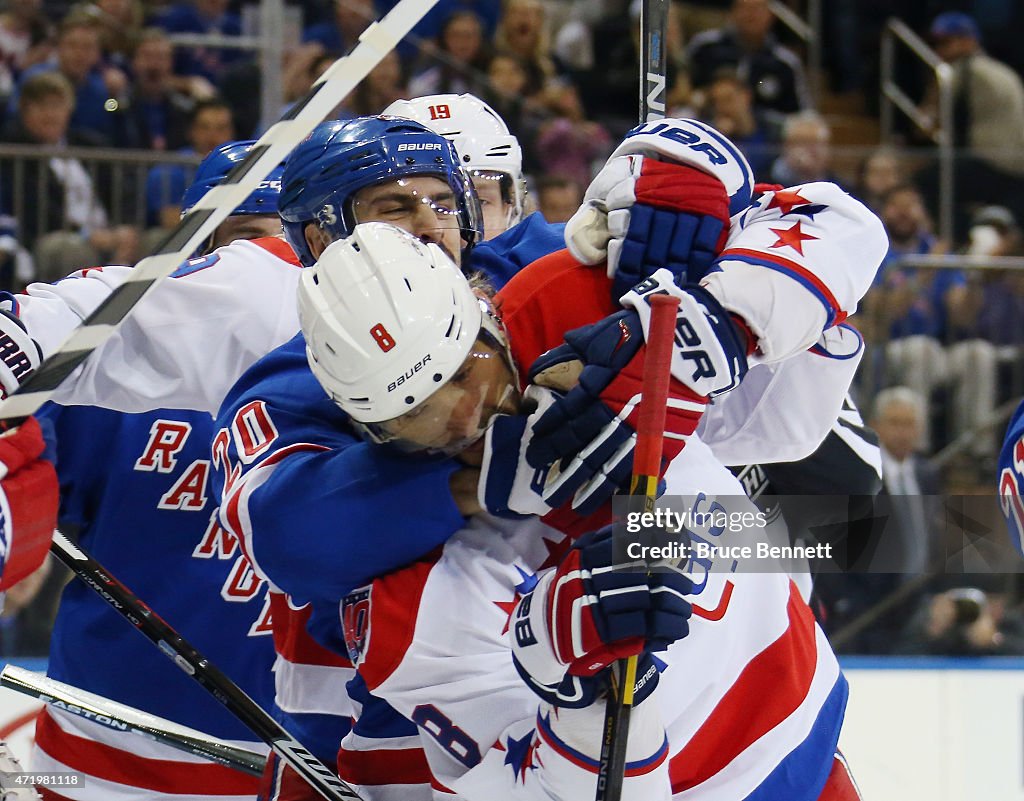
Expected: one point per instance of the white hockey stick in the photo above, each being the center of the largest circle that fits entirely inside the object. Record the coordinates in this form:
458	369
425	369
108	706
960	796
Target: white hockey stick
376	41
121	717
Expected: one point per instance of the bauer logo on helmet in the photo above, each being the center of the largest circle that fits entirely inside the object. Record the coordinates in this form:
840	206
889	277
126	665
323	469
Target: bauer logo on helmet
419	146
408	374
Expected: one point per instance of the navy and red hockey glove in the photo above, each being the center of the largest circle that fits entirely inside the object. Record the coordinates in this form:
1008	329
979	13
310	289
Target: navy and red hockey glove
588	436
642	214
589	612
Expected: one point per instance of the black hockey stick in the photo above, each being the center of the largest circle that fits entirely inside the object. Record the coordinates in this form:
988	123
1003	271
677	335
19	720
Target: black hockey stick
157	631
121	717
614	737
375	42
653	59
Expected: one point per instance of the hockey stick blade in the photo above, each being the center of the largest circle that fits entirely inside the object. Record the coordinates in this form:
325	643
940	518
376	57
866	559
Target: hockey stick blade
189	660
121	717
202	220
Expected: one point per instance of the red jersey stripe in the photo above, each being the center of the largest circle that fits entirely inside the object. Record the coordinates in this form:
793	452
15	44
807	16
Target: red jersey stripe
768	690
390	766
158	775
394	607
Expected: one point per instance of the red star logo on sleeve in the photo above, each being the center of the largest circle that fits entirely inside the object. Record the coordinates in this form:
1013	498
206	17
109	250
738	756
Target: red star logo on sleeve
556	550
791	238
786	199
507	607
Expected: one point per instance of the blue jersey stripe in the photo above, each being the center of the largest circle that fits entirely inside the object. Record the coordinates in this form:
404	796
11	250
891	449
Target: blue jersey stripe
803	773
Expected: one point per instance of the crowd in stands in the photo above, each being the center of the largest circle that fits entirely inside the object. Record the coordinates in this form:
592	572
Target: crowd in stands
947	345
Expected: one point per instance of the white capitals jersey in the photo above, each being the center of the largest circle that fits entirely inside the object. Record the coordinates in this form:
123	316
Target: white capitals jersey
185	344
748	706
795	266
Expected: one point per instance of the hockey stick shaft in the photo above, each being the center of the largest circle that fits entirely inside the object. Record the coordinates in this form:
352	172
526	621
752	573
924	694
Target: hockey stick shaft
120	717
643	492
197	666
653	59
202	220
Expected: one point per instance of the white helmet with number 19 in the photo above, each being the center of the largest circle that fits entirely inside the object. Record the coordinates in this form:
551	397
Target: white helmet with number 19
388	321
481	138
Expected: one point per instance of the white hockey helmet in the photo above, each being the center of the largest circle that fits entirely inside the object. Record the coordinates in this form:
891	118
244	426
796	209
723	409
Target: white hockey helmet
481	138
388	320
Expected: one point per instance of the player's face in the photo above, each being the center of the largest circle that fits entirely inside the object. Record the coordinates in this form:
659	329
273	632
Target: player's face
422	205
496	210
246	226
457	414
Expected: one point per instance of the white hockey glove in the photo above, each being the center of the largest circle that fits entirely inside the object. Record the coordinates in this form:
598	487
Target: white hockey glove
709	355
19	353
664	199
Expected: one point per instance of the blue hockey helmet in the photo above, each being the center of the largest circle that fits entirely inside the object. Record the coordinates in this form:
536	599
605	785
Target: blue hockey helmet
326	170
218	164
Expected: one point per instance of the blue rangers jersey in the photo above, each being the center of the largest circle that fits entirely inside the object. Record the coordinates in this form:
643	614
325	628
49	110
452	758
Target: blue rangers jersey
1011	478
136	490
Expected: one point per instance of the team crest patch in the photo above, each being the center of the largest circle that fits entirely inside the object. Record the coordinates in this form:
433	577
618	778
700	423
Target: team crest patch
355	622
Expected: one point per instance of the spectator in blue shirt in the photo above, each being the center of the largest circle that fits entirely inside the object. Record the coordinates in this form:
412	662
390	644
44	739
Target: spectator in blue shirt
210	124
78	57
159	113
914	309
729	107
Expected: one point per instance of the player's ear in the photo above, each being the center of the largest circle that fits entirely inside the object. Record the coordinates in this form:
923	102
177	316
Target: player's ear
316	238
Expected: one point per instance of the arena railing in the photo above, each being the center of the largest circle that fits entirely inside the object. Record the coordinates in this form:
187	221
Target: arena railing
983	360
939	130
808	30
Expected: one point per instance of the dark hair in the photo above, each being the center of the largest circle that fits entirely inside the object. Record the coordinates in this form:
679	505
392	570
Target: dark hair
45	85
151	34
731	75
203	105
901	187
79	17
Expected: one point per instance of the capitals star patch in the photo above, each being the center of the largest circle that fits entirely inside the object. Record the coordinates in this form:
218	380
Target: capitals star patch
791	238
786	199
520	754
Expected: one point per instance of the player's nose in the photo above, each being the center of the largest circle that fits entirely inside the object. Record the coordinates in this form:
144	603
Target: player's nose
464	420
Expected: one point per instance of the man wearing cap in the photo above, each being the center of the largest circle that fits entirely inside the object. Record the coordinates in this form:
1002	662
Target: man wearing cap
988	118
988	94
